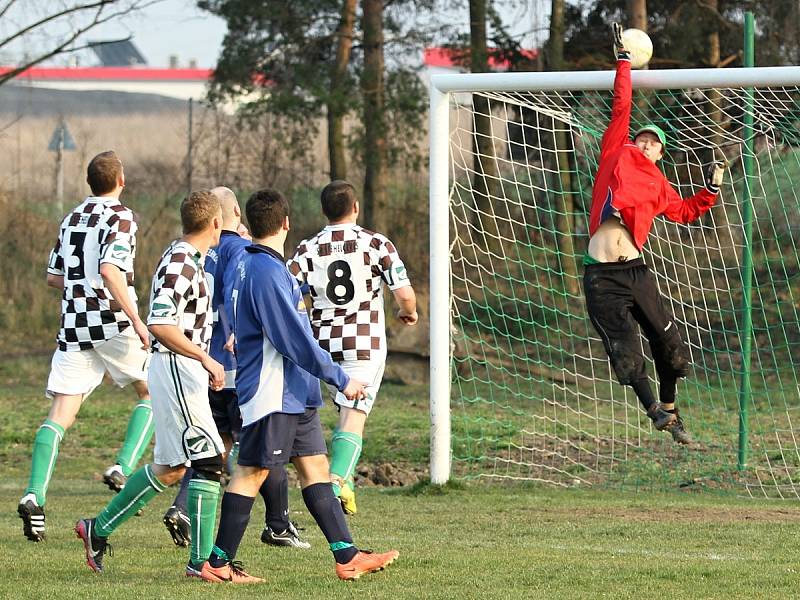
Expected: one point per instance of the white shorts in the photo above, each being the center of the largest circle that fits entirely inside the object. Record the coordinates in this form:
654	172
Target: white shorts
184	425
368	372
80	371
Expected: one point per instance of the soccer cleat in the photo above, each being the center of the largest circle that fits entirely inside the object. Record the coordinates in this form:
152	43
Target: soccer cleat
32	516
232	572
347	496
365	562
661	419
114	478
179	526
679	433
95	546
290	537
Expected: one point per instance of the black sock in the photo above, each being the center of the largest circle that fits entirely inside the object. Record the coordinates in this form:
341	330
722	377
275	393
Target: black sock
327	512
666	390
183	491
232	525
275	492
643	392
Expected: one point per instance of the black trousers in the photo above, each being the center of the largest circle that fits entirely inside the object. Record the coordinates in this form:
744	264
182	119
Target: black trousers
621	298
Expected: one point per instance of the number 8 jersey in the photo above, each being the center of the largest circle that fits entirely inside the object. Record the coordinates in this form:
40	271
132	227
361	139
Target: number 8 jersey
345	268
99	230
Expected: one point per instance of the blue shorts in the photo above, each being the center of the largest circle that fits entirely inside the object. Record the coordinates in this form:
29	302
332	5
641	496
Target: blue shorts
273	440
225	410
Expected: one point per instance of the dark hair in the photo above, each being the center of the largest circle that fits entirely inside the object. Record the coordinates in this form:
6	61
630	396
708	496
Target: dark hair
103	172
338	199
266	210
197	211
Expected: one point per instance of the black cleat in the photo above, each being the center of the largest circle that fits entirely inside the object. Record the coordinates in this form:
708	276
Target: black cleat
32	516
290	537
114	478
179	526
95	546
661	418
679	433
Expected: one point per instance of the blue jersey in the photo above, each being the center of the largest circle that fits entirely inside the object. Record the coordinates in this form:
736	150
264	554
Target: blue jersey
279	361
220	265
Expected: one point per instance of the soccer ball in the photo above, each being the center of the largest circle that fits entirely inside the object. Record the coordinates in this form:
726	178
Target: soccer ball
638	43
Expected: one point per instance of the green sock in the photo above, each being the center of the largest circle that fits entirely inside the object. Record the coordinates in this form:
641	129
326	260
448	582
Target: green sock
140	430
202	505
140	488
43	460
345	452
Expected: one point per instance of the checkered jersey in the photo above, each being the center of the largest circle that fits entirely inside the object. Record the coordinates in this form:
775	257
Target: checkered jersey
99	230
345	268
181	296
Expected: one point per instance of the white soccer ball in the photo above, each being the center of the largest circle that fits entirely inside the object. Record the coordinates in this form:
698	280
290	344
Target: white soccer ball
638	43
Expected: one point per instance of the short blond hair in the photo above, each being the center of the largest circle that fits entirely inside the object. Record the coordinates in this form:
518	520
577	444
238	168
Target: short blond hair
197	211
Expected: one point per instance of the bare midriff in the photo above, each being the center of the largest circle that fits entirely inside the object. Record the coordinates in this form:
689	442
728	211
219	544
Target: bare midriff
612	242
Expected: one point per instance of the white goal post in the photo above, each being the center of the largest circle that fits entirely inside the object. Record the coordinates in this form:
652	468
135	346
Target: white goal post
443	89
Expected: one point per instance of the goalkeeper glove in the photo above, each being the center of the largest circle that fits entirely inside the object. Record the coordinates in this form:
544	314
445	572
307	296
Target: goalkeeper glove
714	175
619	48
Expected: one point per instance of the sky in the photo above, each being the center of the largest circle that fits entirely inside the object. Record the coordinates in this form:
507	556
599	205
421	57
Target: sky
178	27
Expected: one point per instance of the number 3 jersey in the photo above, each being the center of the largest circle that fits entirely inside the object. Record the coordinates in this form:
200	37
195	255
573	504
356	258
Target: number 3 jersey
345	268
100	230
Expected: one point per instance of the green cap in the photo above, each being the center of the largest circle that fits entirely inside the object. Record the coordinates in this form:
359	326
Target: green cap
662	137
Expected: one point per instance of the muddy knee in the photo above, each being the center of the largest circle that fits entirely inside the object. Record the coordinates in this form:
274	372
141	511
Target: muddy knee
628	366
671	356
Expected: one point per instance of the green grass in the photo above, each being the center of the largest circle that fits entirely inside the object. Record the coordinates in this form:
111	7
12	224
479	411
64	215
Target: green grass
474	540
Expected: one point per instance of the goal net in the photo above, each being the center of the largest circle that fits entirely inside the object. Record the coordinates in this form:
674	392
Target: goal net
521	386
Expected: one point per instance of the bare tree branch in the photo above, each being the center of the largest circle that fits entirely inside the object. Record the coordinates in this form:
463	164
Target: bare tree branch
65	46
4	10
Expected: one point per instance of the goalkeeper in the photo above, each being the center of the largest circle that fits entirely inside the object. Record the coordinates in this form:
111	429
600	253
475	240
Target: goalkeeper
621	291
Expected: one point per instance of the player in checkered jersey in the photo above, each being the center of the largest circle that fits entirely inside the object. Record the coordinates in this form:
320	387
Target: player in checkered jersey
92	264
346	268
180	374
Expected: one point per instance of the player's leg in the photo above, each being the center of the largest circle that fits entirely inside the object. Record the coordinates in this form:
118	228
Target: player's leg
609	301
278	529
262	445
73	375
126	362
348	437
176	519
142	486
311	462
670	354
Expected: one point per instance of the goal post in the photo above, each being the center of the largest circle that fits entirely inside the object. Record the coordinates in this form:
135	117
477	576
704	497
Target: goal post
511	351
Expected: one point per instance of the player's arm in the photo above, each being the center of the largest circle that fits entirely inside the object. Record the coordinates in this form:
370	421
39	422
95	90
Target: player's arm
686	210
618	130
288	334
407	302
116	283
172	338
168	304
116	260
55	267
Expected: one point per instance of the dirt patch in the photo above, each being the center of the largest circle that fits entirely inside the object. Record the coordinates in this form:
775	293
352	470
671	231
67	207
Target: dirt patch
381	475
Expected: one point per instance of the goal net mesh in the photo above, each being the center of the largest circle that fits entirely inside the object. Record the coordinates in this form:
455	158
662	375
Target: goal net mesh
533	396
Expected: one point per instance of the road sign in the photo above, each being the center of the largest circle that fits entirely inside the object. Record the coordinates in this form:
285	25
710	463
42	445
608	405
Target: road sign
61	139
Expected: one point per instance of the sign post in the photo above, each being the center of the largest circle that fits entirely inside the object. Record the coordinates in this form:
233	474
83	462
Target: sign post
60	141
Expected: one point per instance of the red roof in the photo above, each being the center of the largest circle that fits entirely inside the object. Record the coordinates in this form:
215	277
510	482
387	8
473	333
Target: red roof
111	74
449	57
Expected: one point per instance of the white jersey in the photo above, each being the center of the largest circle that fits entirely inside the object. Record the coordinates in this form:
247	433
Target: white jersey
99	230
345	268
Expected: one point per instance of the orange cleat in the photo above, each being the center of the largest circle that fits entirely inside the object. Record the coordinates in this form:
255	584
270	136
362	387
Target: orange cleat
365	562
232	572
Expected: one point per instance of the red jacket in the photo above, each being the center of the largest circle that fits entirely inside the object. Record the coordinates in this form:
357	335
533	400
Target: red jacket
629	183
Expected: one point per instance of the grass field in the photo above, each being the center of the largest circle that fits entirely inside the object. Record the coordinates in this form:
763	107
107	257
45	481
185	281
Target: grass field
466	541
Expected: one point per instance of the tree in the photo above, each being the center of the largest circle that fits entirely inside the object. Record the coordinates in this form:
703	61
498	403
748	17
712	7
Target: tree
74	18
337	103
372	89
485	181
